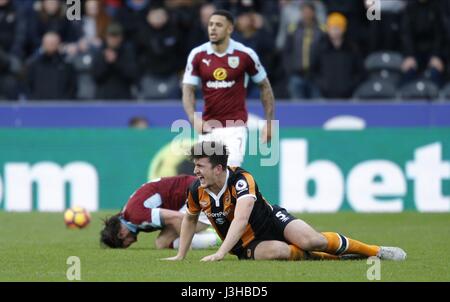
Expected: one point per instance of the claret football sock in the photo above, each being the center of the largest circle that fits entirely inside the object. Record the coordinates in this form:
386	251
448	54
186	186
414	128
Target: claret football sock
339	245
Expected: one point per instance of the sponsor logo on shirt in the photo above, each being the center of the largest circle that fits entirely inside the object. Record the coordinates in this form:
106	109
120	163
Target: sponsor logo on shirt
220	84
220	74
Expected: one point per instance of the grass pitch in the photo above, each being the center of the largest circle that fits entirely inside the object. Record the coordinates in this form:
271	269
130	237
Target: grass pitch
35	247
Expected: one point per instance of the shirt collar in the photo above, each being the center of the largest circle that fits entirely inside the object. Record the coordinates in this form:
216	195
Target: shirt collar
225	185
229	51
131	227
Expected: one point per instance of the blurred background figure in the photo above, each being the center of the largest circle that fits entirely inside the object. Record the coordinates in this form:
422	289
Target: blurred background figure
301	43
384	33
199	33
251	31
114	67
12	39
131	16
92	29
49	76
138	122
424	38
159	55
337	67
49	15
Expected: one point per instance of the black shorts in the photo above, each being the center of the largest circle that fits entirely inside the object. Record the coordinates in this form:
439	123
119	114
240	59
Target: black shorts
275	231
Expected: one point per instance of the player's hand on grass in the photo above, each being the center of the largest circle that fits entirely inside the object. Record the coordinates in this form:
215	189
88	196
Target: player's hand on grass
213	257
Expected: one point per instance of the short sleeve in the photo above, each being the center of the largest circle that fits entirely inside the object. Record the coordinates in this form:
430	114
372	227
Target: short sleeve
254	68
191	73
192	205
245	186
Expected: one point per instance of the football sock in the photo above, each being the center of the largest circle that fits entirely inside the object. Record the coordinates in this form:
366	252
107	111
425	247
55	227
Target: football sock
298	254
339	244
202	240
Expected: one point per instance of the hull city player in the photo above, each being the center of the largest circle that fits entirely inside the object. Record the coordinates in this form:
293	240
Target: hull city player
252	228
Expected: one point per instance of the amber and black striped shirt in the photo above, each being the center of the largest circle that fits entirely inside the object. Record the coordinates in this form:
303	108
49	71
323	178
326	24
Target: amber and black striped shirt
220	208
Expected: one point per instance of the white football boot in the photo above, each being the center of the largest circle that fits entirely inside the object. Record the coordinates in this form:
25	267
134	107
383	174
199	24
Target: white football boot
391	253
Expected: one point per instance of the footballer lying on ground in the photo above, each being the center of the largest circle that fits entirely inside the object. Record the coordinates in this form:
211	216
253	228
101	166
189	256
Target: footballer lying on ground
252	228
156	205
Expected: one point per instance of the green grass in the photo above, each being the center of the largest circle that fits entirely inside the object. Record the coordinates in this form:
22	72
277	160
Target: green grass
35	247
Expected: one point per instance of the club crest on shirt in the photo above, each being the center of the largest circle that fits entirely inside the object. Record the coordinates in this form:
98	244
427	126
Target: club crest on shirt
233	62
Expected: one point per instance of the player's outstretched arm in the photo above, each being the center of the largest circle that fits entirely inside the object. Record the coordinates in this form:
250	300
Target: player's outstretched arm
242	213
188	226
268	101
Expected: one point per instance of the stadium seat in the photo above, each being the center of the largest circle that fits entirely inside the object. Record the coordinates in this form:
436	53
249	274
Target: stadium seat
384	60
375	89
419	90
444	94
391	76
154	88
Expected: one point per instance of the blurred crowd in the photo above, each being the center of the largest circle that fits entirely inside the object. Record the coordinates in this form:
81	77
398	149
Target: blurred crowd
137	49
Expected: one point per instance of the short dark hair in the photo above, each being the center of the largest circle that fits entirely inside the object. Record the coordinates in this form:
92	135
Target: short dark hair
216	152
308	4
109	236
224	13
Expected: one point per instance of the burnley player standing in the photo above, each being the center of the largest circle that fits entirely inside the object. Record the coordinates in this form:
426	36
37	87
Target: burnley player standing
223	67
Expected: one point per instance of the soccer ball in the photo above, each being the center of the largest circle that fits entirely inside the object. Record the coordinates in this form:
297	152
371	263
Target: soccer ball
76	218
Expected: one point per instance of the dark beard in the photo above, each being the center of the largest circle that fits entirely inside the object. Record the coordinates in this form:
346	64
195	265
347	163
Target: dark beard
218	42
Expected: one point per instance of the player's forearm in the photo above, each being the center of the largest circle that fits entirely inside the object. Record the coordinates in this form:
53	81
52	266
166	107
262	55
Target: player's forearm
235	233
267	99
188	226
189	101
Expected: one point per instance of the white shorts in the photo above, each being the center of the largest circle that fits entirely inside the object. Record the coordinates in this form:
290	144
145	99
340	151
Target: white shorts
201	218
235	138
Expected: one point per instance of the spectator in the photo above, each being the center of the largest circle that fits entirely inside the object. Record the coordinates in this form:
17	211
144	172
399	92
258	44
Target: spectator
423	37
93	28
357	22
290	16
251	32
112	6
198	34
138	122
337	67
114	67
184	14
132	16
158	48
49	77
385	33
94	24
12	38
50	16
301	43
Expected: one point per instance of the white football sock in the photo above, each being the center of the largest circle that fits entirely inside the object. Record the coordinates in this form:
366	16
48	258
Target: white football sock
202	240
